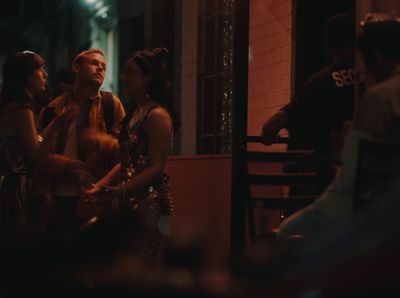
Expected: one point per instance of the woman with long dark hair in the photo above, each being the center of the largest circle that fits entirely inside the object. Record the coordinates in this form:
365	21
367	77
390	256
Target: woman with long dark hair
21	147
139	180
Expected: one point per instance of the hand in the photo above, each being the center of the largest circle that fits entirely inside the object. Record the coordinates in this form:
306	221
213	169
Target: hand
112	190
272	126
93	190
90	193
80	171
267	137
96	200
96	189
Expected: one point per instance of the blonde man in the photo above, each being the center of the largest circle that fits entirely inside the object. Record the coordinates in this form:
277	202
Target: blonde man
98	113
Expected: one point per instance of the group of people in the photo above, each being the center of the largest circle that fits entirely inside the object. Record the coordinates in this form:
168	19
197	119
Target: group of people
83	156
318	118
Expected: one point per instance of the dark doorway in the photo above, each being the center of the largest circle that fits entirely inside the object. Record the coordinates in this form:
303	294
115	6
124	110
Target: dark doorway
308	31
131	38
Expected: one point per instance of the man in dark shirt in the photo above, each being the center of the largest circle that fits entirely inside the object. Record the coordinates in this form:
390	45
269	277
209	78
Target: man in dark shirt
323	106
376	119
316	117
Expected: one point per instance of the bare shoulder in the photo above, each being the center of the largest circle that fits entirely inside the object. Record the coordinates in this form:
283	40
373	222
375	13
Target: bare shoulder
159	114
116	99
158	118
18	113
21	113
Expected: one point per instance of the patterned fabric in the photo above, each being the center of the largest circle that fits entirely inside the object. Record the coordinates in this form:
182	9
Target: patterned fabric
16	199
154	198
152	203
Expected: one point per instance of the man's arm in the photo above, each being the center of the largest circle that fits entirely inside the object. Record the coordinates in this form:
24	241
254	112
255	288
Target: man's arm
273	125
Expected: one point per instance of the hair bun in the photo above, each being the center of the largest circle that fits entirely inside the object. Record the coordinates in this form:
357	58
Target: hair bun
161	54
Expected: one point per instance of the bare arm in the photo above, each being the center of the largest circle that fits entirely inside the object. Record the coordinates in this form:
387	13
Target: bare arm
111	177
159	130
36	146
24	125
272	127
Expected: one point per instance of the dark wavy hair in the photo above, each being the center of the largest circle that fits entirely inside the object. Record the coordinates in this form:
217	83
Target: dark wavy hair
159	88
16	72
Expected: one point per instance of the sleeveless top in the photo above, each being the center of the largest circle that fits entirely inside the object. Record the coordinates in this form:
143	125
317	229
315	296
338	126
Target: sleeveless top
155	198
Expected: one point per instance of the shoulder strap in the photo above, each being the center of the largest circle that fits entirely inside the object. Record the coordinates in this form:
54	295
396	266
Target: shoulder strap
108	110
143	120
149	110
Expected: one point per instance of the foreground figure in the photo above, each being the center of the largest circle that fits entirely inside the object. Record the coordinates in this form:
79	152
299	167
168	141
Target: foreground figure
376	118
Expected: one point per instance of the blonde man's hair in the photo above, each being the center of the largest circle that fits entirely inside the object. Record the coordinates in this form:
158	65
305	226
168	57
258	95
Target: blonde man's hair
79	58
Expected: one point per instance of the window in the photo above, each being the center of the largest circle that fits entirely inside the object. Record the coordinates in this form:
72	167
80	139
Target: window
215	76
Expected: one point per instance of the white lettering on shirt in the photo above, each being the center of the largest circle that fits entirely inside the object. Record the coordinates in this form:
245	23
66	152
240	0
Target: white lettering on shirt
344	77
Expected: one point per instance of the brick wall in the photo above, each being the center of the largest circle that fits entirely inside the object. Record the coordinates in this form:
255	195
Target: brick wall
201	187
189	76
269	66
270	57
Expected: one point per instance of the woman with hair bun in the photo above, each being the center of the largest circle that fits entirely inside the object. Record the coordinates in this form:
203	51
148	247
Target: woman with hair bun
139	181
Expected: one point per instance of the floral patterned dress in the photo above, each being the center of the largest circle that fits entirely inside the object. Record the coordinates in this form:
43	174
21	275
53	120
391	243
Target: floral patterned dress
154	201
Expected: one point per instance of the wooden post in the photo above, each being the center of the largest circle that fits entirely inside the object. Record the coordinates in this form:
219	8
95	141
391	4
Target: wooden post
240	85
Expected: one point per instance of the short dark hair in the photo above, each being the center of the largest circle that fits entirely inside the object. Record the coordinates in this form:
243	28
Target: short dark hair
340	31
382	37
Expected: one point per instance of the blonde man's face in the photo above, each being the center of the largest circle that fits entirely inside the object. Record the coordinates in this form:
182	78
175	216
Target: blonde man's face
92	69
